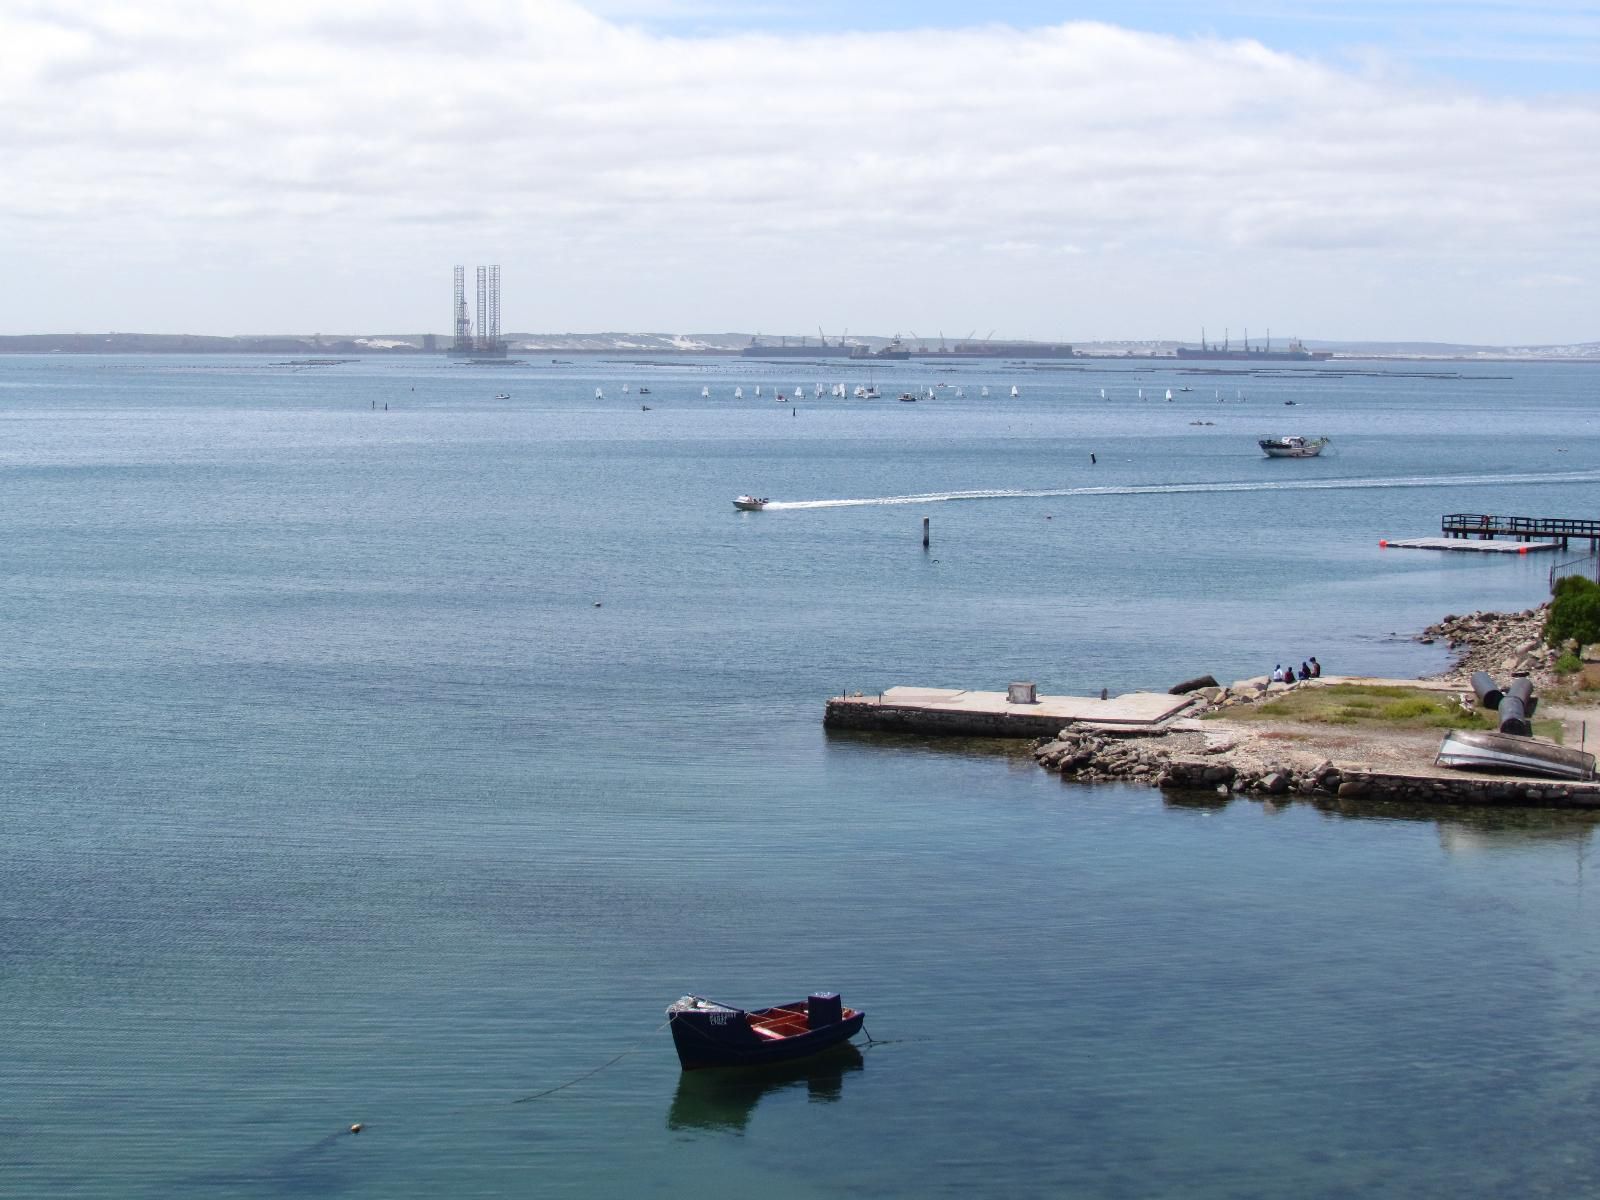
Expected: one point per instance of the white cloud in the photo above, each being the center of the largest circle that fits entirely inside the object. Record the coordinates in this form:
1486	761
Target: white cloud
645	176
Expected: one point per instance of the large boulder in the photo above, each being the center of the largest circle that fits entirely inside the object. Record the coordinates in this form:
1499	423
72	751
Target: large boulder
1192	685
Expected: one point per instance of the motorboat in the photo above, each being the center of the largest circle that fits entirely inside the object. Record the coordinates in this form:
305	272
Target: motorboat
708	1034
644	391
907	398
750	503
502	395
1292	446
1485	750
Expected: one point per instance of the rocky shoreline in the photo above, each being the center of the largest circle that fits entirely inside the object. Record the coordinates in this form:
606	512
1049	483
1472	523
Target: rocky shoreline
1232	757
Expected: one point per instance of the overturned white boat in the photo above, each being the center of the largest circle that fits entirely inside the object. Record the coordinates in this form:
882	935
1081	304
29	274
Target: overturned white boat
1485	750
750	503
1293	446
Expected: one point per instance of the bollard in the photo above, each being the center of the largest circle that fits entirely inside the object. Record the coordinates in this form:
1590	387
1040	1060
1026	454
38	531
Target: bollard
1515	708
1487	690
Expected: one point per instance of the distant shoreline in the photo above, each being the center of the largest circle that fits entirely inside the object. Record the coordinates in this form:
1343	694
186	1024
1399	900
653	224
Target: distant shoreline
727	345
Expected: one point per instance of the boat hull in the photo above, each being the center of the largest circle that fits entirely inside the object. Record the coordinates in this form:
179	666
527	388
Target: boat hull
1293	447
1483	750
723	1037
749	504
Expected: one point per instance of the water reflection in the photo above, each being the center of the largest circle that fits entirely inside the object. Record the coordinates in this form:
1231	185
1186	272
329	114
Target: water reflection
723	1100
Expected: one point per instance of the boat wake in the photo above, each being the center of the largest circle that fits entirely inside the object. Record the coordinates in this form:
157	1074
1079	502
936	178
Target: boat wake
1160	489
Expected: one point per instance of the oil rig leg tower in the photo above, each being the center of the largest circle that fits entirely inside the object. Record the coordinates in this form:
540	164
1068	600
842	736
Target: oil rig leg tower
485	342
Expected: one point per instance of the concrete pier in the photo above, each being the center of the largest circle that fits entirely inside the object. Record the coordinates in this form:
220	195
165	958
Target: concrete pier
957	712
1480	547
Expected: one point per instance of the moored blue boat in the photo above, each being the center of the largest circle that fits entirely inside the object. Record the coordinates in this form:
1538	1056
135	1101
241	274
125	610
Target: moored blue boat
708	1034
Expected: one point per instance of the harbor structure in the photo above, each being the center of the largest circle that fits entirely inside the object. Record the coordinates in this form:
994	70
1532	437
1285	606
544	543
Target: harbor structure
480	340
1227	352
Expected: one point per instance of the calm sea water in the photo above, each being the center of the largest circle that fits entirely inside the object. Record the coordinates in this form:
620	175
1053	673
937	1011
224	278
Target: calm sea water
395	765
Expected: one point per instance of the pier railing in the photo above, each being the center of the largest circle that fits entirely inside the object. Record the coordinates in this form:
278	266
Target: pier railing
1489	526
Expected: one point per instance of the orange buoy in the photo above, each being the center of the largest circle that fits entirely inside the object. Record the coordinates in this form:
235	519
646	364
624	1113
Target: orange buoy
1383	543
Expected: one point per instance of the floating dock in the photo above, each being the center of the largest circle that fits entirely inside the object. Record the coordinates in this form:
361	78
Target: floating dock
957	712
1481	547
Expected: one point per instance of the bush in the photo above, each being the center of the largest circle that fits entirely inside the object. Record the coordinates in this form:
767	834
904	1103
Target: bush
1574	612
1569	664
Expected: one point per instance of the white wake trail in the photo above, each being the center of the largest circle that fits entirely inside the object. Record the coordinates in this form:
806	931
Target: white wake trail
1153	489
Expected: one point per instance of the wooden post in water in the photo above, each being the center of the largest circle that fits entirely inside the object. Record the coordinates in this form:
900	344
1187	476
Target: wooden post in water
924	533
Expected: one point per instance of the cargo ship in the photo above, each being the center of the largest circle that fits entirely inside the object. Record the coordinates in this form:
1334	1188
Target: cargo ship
1296	352
893	350
804	348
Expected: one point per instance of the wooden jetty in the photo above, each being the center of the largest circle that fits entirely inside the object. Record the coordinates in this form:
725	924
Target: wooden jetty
1487	527
957	712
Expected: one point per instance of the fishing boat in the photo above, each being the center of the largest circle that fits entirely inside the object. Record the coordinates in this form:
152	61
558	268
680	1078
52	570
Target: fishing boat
708	1034
750	503
502	395
1485	750
1292	446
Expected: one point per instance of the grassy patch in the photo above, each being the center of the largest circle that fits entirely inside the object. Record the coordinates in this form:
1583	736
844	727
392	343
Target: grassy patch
1376	707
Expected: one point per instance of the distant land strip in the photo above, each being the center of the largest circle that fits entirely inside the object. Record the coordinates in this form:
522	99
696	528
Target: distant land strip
701	344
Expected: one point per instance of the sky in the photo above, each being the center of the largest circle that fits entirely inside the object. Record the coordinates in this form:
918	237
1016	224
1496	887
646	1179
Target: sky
1404	170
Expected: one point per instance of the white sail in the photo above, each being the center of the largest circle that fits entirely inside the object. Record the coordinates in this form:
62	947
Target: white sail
706	392
599	395
624	389
758	389
1014	390
984	390
1102	393
1169	395
1141	393
738	393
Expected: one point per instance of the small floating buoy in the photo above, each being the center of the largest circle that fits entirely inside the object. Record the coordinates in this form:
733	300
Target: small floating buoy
356	1128
1383	543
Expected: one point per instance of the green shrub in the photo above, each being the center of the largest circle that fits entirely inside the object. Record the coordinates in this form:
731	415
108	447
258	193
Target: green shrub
1574	612
1569	664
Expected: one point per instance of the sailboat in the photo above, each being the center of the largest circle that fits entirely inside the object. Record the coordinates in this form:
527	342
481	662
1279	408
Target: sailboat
738	393
599	395
1102	393
1141	393
625	389
1014	391
984	390
705	393
758	389
1169	395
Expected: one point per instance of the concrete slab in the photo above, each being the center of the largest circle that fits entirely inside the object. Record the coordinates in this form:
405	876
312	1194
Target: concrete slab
1473	544
1134	708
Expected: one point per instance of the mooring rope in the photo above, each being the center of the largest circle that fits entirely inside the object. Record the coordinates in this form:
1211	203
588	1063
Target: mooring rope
590	1074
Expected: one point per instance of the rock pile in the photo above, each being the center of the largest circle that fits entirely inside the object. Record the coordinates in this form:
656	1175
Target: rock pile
1503	644
1088	757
